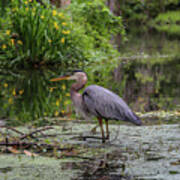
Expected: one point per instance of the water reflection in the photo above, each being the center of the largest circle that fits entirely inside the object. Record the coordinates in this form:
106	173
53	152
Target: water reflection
31	96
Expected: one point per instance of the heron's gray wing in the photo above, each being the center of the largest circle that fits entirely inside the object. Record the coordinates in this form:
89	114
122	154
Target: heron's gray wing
101	102
104	103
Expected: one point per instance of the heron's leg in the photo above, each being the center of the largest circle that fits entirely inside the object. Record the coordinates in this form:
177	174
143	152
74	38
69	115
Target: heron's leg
102	130
107	129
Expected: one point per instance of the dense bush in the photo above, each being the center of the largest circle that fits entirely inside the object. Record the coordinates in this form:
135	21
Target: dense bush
98	22
34	40
38	36
39	42
101	25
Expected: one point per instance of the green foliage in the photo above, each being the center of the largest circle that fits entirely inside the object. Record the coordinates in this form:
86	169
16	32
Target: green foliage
35	39
168	22
38	36
39	42
97	23
100	72
143	78
3	5
142	13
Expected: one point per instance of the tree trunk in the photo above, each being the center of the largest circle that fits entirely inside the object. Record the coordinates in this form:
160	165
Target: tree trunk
111	4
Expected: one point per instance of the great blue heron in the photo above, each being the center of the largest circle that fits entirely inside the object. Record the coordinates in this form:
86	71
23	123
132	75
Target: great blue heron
99	102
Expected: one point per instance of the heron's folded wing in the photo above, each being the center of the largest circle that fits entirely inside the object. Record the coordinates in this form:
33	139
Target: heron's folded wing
104	103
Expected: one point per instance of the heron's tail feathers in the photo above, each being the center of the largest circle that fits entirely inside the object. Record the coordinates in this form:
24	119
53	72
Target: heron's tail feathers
132	117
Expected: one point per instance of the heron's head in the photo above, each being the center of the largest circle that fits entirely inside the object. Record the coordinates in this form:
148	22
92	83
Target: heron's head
77	75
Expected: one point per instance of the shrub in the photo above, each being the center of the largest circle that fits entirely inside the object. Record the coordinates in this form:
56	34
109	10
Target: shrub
38	36
37	43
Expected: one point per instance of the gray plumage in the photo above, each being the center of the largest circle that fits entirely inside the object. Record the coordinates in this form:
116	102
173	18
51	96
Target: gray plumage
105	104
99	102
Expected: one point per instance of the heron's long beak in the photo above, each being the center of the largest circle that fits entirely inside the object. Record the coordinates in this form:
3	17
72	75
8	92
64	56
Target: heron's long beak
60	78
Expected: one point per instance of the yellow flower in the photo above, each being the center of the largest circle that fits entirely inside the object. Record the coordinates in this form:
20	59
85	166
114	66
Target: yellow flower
21	92
54	12
19	42
27	9
60	14
67	94
42	17
49	40
66	102
4	46
64	23
12	42
62	111
66	32
51	90
62	40
10	100
56	25
13	9
5	85
14	92
26	2
63	87
8	32
30	0
56	113
57	103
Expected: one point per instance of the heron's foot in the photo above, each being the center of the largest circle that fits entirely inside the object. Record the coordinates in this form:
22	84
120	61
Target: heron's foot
106	138
103	140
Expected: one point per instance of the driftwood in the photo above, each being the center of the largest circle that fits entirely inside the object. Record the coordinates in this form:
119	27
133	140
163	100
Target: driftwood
19	142
31	144
79	157
23	135
12	129
87	137
34	132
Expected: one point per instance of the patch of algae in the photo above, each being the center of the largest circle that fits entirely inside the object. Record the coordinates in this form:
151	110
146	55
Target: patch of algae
147	152
22	167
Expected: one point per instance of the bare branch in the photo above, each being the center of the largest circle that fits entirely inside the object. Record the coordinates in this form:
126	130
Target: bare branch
36	131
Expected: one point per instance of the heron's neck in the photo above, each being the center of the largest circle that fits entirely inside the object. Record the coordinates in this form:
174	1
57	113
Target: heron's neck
75	95
77	86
